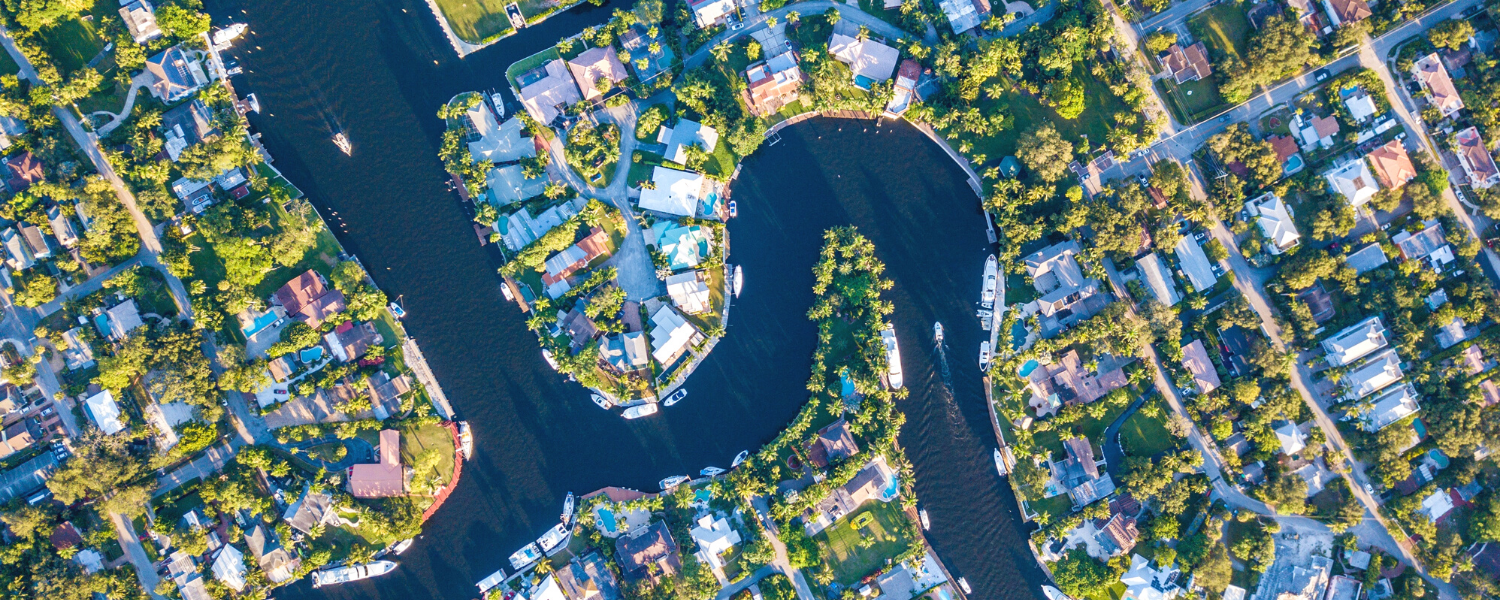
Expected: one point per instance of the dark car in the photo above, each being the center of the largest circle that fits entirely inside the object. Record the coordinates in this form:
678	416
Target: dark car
1320	74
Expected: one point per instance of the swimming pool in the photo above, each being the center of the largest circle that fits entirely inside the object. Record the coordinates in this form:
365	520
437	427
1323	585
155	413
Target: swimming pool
1027	368
312	354
1017	336
258	324
846	385
606	518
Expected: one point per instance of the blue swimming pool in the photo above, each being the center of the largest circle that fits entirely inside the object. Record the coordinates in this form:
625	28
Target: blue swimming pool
607	518
846	385
1027	368
260	323
1293	164
312	354
1017	336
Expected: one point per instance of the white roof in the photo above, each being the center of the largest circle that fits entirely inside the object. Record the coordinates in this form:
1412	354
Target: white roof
1195	263
1437	505
1274	220
1143	582
1292	439
229	568
867	58
676	193
962	15
1392	406
714	536
685	134
1159	279
688	292
1361	106
1379	371
1234	592
1354	181
124	318
509	185
710	13
102	408
548	590
670	333
498	142
1355	341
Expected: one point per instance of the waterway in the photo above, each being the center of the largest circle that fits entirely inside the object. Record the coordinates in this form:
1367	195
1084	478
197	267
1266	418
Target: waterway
379	70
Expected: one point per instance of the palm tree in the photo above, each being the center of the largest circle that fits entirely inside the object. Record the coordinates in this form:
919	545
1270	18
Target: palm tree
794	18
832	15
770	20
864	33
721	51
565	45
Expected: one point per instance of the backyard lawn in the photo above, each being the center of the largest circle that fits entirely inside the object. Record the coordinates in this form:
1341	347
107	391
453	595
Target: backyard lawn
475	20
1095	122
1056	507
1224	29
1195	99
843	545
72	44
1089	427
1142	435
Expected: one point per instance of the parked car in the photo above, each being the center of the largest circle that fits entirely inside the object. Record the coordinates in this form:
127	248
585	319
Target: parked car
1320	74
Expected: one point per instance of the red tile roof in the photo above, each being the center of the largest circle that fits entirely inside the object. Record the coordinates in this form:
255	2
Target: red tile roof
1285	146
1392	165
383	479
1350	11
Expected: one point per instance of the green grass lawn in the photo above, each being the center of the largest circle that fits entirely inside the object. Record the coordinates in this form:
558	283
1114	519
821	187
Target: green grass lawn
1196	99
1056	507
321	258
110	97
416	440
8	65
1095	122
72	44
325	452
476	20
168	513
841	544
1224	29
1089	427
156	298
1277	123
529	63
721	163
207	265
641	170
1147	436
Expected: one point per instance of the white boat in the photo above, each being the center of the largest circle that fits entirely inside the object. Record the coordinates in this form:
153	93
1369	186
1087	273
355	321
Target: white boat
554	539
711	472
252	102
964	583
600	400
892	356
674	481
734	210
525	556
547	356
937	332
925	523
228	34
401	546
339	575
567	514
465	440
739	280
1000	463
1053	593
984	355
676	397
396	310
505	291
991	281
499	102
739	458
342	141
644	410
493	580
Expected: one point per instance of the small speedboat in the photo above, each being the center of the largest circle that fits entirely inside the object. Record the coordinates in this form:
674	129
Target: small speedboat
1000	465
600	400
397	311
342	141
739	280
525	556
711	472
465	440
937	333
984	354
402	546
964	583
567	514
676	397
734	210
925	523
636	412
739	458
223	37
674	481
547	356
1053	593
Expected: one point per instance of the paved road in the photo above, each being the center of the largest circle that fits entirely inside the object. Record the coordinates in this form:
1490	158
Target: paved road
1175	14
145	571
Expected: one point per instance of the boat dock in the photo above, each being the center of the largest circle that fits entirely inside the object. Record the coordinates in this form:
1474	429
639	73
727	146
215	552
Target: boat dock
418	364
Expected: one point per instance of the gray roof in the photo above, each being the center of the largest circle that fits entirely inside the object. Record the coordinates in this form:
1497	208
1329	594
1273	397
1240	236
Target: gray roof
1366	259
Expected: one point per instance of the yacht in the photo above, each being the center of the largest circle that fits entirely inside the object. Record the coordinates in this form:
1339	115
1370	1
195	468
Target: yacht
739	458
567	514
600	400
1000	463
892	356
465	440
734	210
984	355
711	472
925	523
342	141
674	481
674	398
525	556
937	333
1053	593
554	539
339	575
991	281
739	280
644	410
964	583
223	37
499	104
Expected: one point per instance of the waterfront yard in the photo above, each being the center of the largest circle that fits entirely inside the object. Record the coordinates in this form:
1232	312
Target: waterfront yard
853	552
1089	427
1224	29
1026	112
475	21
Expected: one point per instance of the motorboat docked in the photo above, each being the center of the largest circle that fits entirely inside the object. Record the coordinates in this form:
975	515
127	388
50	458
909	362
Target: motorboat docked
925	523
937	332
734	210
711	472
1000	465
600	400
505	291
567	514
222	37
554	539
674	481
893	357
1053	593
644	410
984	355
739	458
499	102
465	440
676	397
525	556
397	311
547	355
339	575
252	102
342	141
401	546
964	583
739	280
493	580
991	282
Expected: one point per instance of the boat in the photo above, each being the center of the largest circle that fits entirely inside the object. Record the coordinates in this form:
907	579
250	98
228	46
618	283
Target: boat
493	580
734	210
674	481
600	400
739	458
893	357
396	310
937	332
636	412
567	514
252	102
342	141
711	472
465	440
525	556
228	34
554	539
1053	593
402	546
984	355
925	523
739	280
676	397
547	355
499	102
1000	463
339	575
991	281
964	583
505	291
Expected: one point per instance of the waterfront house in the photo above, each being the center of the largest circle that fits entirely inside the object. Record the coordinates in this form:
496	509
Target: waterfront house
711	13
22	170
1186	64
1068	382
579	328
1433	77
196	195
277	564
963	15
497	142
140	20
104	412
1380	370
647	554
186	126
519	228
508	185
62	227
1275	221
646	62
596	71
626	352
714	537
1347	12
671	335
175	74
773	83
1079	476
1205	375
905	89
673	192
385	393
308	298
588	578
1195	264
1360	104
229	568
1067	297
1143	581
1474	156
1158	279
349	341
1355	341
686	133
1427	246
1353	181
684	246
1392	165
310	510
1118	534
689	292
123	318
18	255
869	60
834	443
876	481
547	90
382	479
1286	149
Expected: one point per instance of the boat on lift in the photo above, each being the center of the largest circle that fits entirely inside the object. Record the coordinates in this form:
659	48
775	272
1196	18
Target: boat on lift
733	210
493	580
524	557
937	333
674	481
402	546
342	141
465	440
676	397
252	102
644	410
964	583
600	400
555	539
739	280
984	355
567	514
925	523
711	472
396	309
892	357
739	458
991	282
339	575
